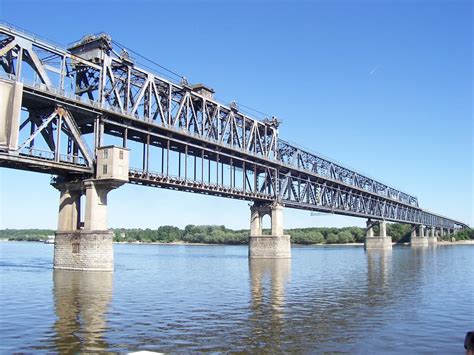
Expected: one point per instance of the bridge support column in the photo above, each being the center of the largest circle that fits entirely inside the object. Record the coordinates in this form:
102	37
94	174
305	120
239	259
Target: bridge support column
432	238
274	246
69	217
91	247
382	241
419	240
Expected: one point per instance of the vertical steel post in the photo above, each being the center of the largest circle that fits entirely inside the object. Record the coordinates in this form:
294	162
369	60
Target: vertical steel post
124	138
32	130
19	61
170	88
244	187
202	166
162	159
217	169
147	153
58	136
255	179
144	157
186	162
61	75
231	173
167	157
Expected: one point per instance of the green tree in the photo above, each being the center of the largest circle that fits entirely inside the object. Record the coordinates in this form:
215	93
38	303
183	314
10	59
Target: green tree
332	238
345	237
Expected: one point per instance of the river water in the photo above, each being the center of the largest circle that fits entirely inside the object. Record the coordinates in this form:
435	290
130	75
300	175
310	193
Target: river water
169	298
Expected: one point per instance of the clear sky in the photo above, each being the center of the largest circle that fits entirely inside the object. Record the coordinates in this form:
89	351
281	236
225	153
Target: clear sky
384	87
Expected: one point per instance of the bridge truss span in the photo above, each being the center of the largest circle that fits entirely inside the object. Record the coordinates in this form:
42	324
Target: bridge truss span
294	156
180	137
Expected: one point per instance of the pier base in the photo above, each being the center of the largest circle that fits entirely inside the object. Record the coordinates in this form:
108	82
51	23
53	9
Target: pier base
269	247
419	242
432	240
382	241
418	239
378	243
84	250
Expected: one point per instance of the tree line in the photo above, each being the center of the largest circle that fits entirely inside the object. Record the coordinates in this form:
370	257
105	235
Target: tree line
214	234
26	234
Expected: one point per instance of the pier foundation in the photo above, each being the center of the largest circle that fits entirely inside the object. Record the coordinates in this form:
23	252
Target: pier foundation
273	246
84	250
382	241
418	239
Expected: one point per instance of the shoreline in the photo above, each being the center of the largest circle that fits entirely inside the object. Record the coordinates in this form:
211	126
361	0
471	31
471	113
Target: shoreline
459	242
177	243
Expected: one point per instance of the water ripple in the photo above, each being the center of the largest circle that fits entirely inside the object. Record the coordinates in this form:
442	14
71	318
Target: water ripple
200	299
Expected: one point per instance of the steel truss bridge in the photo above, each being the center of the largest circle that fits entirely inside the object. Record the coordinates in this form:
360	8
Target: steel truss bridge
180	137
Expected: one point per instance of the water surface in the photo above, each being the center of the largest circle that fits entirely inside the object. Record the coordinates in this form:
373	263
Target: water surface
211	298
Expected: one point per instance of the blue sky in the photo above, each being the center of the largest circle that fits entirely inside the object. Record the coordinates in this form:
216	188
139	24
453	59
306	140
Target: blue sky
384	87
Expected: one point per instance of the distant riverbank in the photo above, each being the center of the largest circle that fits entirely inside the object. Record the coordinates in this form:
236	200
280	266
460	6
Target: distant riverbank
210	235
441	242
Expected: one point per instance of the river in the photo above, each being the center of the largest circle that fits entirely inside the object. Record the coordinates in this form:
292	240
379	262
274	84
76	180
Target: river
178	298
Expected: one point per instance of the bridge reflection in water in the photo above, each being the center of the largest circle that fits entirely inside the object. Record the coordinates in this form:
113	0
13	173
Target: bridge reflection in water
379	274
268	279
331	314
325	300
81	300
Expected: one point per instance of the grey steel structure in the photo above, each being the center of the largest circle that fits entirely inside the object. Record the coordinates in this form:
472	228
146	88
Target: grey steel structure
180	137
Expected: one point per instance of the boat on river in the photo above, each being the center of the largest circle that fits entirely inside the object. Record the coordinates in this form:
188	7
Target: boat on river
49	239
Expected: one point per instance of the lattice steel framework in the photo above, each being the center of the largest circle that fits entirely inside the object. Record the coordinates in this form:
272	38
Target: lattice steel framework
195	143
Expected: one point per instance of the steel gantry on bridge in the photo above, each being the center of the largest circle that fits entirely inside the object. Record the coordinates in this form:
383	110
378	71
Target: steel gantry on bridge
78	112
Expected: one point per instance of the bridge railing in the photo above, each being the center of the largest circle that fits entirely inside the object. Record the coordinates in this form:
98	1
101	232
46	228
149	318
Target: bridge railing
201	185
50	156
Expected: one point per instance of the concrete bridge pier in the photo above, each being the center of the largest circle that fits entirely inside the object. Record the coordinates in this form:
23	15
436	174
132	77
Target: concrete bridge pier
432	238
273	246
382	241
87	247
418	239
